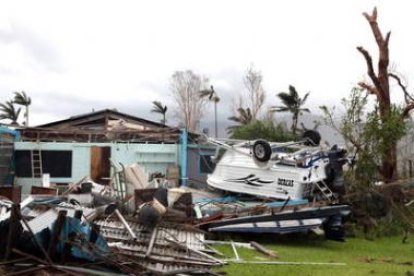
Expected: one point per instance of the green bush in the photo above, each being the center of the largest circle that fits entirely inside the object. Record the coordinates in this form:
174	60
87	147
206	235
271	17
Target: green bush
263	130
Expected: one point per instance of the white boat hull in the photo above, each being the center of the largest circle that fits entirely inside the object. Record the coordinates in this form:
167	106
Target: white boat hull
239	173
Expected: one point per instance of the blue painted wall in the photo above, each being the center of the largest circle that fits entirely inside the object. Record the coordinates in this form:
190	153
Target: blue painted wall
196	178
10	131
153	157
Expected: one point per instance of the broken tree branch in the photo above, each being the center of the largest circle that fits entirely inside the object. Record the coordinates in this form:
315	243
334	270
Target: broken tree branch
371	89
372	20
371	72
407	110
408	98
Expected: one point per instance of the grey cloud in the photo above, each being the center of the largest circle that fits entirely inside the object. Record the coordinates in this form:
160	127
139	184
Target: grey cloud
63	106
227	94
41	50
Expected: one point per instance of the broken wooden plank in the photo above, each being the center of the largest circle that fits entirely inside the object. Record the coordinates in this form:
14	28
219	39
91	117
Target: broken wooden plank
263	250
12	232
152	241
125	223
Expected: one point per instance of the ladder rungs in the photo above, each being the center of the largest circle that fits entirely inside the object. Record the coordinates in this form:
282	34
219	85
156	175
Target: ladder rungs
36	158
324	189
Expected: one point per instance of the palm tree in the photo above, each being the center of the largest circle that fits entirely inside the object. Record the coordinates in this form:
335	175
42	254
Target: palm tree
8	111
292	103
21	98
161	109
212	96
243	118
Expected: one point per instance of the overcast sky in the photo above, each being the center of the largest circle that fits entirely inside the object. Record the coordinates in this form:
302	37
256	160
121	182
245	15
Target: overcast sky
75	56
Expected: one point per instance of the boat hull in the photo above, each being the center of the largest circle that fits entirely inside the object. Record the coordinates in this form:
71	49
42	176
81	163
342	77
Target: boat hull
238	173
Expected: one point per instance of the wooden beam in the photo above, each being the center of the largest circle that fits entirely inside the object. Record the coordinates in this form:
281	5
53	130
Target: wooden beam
57	228
13	230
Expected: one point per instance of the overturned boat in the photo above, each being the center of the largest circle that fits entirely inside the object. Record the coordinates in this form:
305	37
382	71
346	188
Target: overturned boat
293	170
299	185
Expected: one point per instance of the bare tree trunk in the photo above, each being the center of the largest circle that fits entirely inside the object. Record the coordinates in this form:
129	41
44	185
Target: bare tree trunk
27	116
185	90
380	88
253	83
215	119
295	123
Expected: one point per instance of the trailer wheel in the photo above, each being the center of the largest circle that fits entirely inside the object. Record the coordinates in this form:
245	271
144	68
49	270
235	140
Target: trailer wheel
262	151
312	137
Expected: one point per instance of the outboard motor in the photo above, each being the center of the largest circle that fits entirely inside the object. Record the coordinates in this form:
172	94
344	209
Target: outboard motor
334	228
334	171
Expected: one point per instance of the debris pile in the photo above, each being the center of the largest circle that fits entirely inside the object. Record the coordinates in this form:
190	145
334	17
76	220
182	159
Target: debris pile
101	235
134	226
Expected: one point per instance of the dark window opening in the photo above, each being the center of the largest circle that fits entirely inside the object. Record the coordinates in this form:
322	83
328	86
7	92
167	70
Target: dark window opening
206	164
56	163
23	163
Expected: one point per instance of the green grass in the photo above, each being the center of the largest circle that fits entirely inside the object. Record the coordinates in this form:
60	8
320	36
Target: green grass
384	256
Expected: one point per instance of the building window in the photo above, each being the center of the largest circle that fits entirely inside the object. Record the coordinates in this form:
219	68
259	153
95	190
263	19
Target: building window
23	163
57	163
206	164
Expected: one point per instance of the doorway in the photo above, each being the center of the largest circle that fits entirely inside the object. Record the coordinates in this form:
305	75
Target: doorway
100	164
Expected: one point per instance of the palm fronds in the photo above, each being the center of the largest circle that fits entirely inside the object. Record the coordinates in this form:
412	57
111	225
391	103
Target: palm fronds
291	102
159	108
9	111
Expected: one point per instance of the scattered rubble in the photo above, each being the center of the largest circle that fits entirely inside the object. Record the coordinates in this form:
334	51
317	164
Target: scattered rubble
132	227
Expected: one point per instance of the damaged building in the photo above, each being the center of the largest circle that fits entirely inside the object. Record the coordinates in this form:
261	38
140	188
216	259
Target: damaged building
89	145
97	143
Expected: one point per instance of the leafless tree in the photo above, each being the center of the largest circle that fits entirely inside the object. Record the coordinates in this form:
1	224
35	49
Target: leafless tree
256	95
380	88
185	89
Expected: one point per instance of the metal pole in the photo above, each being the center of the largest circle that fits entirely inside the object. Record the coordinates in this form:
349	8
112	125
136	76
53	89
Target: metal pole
183	157
125	223
215	118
